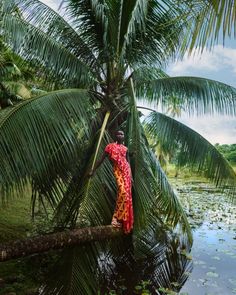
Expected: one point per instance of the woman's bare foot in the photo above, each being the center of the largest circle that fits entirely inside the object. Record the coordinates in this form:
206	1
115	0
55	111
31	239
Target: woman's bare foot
116	223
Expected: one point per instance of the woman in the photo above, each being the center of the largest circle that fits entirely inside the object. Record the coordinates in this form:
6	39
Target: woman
117	152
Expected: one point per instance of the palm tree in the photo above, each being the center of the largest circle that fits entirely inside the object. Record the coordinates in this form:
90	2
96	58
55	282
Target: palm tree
16	78
7	70
109	56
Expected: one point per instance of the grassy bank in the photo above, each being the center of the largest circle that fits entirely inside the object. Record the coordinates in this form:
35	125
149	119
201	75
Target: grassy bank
15	220
20	276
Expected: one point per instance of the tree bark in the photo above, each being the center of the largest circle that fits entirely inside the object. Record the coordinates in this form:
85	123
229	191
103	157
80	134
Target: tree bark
58	240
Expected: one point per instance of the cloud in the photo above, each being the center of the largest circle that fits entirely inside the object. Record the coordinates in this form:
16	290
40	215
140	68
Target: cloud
218	129
217	64
219	58
54	4
227	56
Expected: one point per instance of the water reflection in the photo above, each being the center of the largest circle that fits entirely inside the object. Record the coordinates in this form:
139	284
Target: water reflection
210	269
214	249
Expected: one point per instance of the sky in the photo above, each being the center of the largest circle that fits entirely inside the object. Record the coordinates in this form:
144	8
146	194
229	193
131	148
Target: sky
52	3
218	64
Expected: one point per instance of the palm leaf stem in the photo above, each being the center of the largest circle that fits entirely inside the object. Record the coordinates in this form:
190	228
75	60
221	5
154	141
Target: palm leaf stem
119	27
104	124
146	108
103	128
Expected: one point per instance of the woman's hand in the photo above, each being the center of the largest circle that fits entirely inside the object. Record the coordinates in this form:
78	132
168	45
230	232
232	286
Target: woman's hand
91	172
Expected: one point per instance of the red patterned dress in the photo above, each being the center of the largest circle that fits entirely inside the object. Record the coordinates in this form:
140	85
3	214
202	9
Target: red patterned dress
124	208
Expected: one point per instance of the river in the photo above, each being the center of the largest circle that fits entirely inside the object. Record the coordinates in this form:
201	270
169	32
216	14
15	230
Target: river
213	218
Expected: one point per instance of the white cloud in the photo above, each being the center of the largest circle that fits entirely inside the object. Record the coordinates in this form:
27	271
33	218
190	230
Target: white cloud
227	56
219	129
54	4
217	64
217	59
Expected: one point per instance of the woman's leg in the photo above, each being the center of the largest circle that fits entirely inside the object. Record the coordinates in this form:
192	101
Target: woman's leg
119	213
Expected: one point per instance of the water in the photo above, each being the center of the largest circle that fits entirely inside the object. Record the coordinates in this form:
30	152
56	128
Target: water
214	259
213	218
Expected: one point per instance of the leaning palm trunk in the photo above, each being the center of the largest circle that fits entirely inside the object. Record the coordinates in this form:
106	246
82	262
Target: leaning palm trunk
55	241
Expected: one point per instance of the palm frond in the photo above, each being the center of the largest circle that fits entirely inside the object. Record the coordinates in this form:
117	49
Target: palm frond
41	137
195	149
98	268
156	37
98	194
196	95
208	21
34	45
79	273
154	199
89	202
54	25
132	16
90	18
146	74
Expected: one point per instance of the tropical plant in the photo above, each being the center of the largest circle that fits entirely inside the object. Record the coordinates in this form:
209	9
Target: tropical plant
213	19
7	70
228	151
15	77
109	55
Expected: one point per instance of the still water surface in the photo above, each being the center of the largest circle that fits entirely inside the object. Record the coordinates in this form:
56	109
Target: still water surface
213	219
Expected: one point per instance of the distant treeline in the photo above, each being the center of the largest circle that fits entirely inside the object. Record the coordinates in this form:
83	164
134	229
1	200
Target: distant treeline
228	150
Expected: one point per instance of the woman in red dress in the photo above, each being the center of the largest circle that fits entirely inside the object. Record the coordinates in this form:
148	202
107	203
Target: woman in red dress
117	152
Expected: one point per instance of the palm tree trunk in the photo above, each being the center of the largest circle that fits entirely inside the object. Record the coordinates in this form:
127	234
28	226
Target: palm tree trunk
58	240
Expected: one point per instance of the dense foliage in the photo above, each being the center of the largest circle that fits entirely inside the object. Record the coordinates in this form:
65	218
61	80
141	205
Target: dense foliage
229	152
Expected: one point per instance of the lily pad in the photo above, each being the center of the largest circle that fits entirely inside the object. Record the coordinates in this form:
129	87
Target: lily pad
167	291
212	274
216	257
232	281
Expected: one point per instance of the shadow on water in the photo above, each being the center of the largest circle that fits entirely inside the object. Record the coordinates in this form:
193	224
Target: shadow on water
124	274
163	273
209	270
122	269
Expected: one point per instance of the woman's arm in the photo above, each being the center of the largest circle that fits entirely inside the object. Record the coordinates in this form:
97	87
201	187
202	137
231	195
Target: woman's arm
97	164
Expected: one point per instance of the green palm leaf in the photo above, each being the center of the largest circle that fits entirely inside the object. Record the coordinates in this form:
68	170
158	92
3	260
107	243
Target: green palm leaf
146	74
152	35
79	271
132	16
214	18
91	23
50	22
154	199
197	151
44	138
89	201
196	95
27	40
